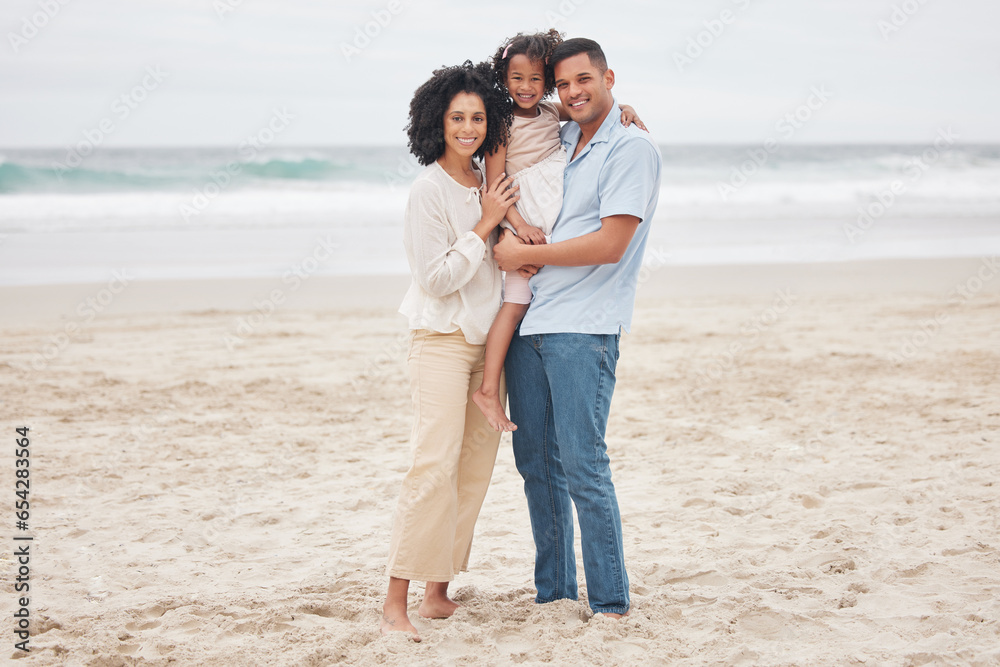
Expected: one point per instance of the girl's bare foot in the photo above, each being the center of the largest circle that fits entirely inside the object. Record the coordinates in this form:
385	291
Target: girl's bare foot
395	619
435	607
493	410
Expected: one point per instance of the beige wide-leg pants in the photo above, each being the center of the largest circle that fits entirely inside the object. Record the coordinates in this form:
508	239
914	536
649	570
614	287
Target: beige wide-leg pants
454	449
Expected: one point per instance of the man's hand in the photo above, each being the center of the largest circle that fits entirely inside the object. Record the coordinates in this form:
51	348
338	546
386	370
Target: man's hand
505	252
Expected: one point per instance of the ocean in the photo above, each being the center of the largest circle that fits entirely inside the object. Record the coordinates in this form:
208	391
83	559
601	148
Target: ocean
78	214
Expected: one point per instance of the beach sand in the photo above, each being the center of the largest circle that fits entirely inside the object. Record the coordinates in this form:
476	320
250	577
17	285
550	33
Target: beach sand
807	460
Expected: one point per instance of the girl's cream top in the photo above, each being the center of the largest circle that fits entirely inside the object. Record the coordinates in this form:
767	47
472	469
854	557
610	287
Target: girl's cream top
532	139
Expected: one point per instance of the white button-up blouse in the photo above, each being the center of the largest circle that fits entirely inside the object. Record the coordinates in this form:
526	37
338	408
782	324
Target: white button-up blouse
456	282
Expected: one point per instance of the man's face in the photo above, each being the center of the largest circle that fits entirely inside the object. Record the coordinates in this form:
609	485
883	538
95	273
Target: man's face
583	89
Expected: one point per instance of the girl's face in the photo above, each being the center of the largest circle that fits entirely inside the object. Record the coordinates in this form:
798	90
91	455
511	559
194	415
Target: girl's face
526	83
464	125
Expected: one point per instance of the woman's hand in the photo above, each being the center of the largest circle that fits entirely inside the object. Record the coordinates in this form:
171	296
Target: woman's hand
499	196
629	116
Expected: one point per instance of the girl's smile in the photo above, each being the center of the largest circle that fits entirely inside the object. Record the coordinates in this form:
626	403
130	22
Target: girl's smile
526	84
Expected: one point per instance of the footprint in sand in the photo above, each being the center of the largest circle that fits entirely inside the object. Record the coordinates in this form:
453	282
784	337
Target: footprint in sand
149	617
344	613
829	563
707	578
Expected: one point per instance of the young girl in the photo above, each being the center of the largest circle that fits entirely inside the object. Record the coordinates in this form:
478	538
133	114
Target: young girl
450	228
534	156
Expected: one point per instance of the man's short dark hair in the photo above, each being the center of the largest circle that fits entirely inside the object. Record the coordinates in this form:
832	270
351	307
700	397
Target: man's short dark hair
576	46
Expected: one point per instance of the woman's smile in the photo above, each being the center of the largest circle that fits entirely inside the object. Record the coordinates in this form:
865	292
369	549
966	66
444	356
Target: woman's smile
465	124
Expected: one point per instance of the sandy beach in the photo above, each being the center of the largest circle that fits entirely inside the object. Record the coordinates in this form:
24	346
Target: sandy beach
806	457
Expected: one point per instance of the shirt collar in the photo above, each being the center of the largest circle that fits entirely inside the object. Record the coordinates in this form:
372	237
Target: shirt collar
603	133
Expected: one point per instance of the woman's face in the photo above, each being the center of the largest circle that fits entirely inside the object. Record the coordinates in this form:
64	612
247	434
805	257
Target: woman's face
464	125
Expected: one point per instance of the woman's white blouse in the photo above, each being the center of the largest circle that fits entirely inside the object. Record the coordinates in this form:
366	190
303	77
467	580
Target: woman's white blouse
456	282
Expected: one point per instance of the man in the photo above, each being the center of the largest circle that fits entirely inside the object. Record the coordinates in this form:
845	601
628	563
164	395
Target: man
561	368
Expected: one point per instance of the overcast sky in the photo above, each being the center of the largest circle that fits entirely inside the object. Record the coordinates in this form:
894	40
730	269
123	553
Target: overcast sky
223	66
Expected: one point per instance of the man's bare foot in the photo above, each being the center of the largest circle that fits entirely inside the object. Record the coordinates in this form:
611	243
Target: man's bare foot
493	410
396	620
436	607
611	614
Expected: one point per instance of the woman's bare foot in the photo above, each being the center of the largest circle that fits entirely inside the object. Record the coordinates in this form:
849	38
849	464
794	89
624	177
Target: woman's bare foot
436	602
493	410
395	619
437	608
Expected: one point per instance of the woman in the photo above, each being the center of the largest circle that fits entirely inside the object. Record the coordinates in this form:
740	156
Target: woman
450	229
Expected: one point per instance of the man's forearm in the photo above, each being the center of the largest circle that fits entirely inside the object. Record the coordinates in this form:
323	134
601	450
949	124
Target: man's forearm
600	247
607	245
584	250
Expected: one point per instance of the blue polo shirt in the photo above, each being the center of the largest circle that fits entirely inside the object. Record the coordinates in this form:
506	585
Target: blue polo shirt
617	173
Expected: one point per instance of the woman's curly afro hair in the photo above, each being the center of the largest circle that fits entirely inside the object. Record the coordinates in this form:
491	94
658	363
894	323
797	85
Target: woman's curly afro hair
430	103
538	47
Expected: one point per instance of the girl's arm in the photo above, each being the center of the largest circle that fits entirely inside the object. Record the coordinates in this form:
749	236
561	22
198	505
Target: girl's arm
629	115
495	164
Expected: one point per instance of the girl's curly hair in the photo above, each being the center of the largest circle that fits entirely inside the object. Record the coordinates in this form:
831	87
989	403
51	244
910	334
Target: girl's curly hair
430	103
538	47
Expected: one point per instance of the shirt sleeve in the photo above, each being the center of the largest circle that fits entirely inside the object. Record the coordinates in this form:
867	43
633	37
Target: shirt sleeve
440	263
550	109
629	178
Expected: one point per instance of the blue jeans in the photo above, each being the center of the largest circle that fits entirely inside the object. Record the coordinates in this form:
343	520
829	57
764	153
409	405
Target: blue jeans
559	392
